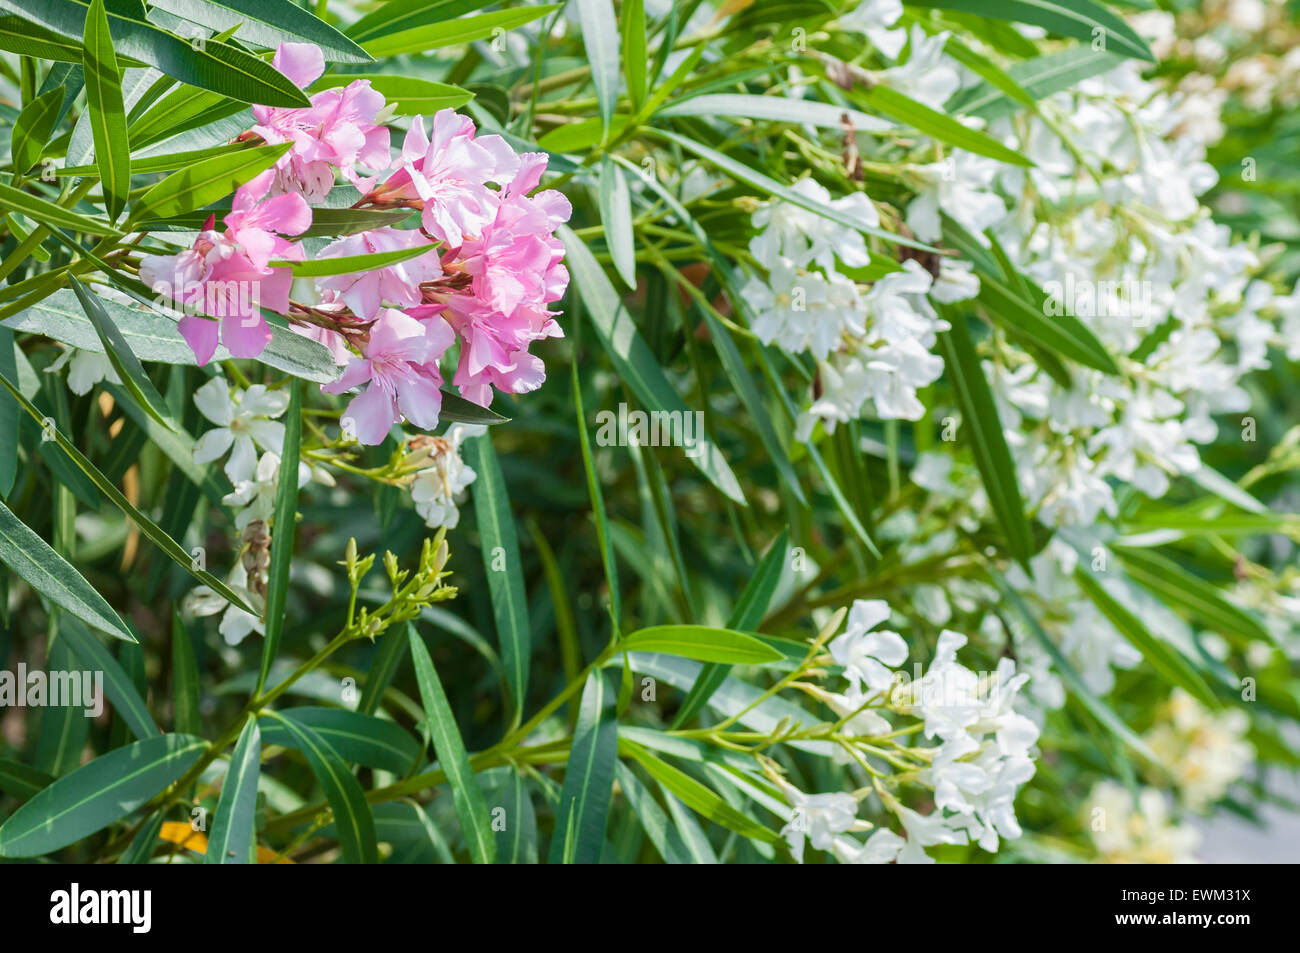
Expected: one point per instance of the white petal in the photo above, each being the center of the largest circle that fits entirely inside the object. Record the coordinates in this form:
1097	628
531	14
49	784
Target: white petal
213	401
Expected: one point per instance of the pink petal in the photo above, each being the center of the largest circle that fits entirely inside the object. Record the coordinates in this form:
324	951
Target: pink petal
201	335
302	63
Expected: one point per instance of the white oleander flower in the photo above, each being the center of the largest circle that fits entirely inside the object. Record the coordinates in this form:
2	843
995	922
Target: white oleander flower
85	369
1141	833
244	422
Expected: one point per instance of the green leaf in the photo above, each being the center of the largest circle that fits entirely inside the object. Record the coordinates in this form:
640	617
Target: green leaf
1078	688
499	544
268	23
48	213
668	842
204	182
1039	78
10	415
125	363
588	779
698	797
218	67
357	738
459	410
1062	334
155	338
616	216
517	838
987	440
934	123
353	822
1079	19
466	794
600	39
19	36
424	39
732	361
32	560
634	361
742	172
107	113
773	108
65	726
634	50
597	507
702	643
185	679
32	129
231	839
348	264
582	135
142	844
20	781
147	526
282	532
747	614
1164	658
396	16
118	685
406	95
1206	606
97	794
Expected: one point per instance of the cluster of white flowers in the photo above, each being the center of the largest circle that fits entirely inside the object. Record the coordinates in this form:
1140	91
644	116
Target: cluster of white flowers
1109	223
983	755
1203	751
244	424
872	344
438	488
1125	832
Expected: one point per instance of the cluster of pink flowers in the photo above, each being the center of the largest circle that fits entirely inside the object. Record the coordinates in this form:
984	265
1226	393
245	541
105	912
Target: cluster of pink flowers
493	268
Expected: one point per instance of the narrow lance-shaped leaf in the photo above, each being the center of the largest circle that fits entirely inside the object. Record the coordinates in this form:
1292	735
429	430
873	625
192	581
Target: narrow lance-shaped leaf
702	643
499	543
107	113
697	796
1164	658
185	679
616	215
268	23
588	779
97	794
600	38
634	361
1178	587
213	65
421	39
147	526
282	532
127	366
597	507
118	685
987	441
467	796
1081	19
204	182
231	838
634	50
354	824
746	615
34	561
32	129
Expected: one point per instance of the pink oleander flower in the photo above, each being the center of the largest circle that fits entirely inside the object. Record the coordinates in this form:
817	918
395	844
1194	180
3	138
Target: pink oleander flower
516	271
397	285
338	131
399	368
449	173
227	278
